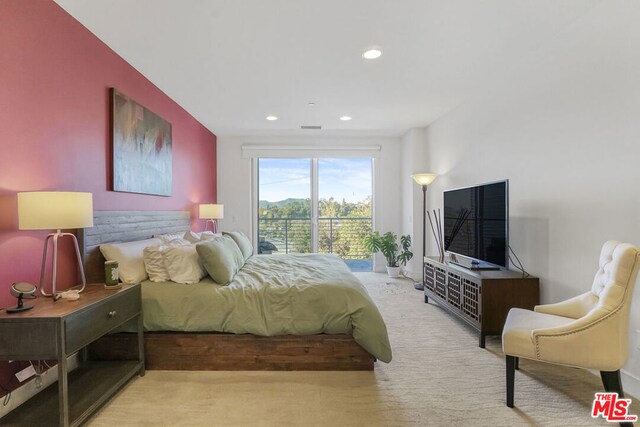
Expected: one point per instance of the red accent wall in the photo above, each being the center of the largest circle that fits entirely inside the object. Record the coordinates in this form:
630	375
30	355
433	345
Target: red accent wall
55	77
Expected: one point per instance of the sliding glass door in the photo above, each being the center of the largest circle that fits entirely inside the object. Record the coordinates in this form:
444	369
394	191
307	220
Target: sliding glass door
316	205
345	209
284	206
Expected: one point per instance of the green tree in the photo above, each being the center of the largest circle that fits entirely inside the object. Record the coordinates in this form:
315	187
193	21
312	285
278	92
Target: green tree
342	227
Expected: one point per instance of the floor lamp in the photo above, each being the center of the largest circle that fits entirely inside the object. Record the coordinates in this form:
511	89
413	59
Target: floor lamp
423	179
55	210
212	213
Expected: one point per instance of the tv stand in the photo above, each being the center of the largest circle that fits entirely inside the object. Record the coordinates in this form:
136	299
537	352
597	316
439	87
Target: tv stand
482	299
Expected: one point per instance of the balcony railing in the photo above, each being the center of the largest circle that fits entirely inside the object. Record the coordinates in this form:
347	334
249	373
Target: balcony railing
341	236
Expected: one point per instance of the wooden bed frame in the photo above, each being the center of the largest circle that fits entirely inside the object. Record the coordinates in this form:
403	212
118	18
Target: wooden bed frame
212	350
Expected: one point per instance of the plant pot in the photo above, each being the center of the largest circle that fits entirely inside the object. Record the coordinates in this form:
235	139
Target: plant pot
393	272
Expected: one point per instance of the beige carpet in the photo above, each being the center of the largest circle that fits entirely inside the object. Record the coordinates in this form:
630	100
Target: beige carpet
439	377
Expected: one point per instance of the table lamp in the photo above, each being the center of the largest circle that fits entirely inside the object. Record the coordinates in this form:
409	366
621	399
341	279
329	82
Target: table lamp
423	179
57	210
212	213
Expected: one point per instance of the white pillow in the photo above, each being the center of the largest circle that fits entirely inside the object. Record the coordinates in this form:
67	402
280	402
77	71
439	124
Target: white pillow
130	258
168	238
154	263
208	235
195	237
154	260
183	264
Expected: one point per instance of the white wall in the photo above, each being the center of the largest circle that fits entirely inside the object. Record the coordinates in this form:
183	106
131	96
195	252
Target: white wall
563	125
414	160
234	179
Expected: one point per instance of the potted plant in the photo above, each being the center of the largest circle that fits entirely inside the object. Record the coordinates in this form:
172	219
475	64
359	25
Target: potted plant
388	245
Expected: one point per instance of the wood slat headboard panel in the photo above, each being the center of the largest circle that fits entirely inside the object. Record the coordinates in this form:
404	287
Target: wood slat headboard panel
124	226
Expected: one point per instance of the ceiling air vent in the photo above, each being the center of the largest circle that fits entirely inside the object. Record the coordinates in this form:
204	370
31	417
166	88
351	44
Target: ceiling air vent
309	127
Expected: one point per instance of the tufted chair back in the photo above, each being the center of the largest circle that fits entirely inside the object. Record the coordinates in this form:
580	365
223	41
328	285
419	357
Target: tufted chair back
613	287
613	281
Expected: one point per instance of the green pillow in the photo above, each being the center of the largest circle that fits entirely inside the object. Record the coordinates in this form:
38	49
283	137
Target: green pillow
242	241
221	258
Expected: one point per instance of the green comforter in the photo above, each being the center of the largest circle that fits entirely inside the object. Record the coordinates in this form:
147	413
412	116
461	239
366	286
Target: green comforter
273	295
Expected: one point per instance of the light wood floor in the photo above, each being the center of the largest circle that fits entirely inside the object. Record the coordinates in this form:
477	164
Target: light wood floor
439	377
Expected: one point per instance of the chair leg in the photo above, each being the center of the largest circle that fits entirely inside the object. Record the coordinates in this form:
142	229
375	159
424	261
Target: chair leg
511	371
517	363
612	384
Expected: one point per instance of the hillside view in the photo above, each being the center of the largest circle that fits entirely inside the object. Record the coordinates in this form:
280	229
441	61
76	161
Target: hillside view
286	226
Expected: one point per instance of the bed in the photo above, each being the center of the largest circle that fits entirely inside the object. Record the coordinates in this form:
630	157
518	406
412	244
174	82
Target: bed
283	312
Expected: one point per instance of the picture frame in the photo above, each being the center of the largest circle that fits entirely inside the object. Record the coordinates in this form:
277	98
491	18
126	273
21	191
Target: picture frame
142	148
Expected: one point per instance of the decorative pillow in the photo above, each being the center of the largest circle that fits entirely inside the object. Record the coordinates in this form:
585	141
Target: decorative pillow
221	258
195	237
183	264
242	241
130	258
154	260
154	263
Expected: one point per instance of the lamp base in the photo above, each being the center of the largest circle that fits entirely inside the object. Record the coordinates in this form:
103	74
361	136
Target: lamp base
54	238
214	225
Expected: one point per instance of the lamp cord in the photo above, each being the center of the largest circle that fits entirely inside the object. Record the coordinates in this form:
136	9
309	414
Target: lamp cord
403	274
7	395
519	266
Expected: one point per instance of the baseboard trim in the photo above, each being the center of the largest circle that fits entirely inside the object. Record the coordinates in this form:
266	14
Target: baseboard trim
408	274
630	385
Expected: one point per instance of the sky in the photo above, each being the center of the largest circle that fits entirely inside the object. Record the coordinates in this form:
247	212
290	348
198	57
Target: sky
280	179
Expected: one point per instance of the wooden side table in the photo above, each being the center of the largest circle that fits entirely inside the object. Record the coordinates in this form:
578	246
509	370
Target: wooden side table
54	330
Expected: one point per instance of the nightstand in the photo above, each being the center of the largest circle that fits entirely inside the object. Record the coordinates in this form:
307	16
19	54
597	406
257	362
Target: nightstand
54	330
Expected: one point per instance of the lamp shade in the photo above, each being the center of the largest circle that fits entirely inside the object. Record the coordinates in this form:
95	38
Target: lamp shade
424	178
47	210
211	211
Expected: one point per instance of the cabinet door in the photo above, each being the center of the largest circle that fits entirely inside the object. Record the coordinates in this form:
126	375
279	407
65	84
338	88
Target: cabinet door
441	282
430	276
471	299
453	289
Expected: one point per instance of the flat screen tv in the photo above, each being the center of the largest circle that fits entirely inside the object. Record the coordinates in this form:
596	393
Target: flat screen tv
476	225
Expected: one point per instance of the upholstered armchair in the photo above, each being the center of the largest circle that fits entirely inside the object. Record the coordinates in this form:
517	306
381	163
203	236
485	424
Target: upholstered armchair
587	331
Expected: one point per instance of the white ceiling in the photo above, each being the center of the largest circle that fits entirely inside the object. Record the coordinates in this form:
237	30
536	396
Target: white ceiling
230	63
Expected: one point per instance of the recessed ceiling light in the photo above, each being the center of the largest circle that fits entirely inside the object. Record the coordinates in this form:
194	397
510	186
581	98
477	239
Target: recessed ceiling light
271	118
345	118
311	104
372	53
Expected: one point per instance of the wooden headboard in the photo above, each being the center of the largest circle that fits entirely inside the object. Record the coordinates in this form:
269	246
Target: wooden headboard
124	226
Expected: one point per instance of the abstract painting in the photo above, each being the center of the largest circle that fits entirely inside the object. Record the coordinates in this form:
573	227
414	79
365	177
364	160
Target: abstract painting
142	148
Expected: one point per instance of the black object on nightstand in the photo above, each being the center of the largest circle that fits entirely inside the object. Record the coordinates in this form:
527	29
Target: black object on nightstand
21	290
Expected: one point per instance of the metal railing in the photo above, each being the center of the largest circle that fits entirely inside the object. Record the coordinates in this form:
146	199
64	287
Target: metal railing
344	237
341	236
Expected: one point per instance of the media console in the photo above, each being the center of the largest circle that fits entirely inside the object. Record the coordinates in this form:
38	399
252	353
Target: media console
480	298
